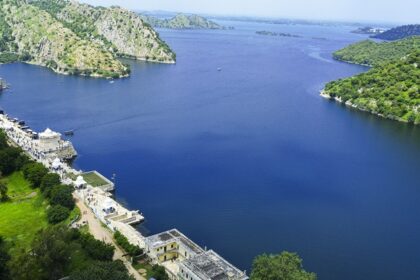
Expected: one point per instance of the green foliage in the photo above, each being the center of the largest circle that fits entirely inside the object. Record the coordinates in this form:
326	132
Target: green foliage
48	182
131	249
48	257
390	90
3	192
4	258
11	159
371	53
96	249
34	172
57	252
102	271
286	266
57	214
159	273
23	214
62	195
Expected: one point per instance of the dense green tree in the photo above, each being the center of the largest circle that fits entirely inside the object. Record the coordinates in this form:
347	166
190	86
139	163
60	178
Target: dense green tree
3	192
57	213
48	257
9	159
62	195
34	172
4	258
285	266
103	271
97	249
159	273
48	182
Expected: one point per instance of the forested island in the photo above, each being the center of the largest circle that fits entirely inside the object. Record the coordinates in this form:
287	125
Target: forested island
181	21
399	32
391	88
271	33
73	38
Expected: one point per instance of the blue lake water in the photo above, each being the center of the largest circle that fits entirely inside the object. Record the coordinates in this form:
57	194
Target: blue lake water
249	159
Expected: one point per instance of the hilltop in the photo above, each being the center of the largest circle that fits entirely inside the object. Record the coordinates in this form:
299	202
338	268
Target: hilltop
399	32
371	53
182	21
73	38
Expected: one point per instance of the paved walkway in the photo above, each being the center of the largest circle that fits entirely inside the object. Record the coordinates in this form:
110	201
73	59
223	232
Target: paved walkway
101	233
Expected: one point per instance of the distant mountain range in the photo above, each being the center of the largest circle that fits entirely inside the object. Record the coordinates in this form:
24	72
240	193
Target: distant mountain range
73	38
181	21
399	32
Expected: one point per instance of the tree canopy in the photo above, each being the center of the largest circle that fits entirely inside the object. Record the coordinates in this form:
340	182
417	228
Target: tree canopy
285	266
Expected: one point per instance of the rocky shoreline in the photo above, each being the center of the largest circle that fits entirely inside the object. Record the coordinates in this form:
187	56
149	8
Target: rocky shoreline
348	103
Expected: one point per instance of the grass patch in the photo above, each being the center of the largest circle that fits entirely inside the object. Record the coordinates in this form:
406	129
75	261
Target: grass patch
144	265
94	180
24	215
18	187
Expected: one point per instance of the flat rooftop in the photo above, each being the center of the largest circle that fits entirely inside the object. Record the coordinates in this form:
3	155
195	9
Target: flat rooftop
170	236
210	266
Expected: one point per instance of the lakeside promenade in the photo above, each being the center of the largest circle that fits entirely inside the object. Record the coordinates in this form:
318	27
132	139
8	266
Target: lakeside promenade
180	256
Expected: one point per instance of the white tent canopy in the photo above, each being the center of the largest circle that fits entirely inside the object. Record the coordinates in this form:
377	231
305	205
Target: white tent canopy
108	203
80	182
56	163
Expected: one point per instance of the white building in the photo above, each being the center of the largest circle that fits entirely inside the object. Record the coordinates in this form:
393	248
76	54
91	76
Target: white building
49	140
185	260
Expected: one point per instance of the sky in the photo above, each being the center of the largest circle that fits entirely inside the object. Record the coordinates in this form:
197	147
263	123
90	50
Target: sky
396	11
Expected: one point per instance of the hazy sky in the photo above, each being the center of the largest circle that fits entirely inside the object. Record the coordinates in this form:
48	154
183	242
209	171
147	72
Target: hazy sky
350	10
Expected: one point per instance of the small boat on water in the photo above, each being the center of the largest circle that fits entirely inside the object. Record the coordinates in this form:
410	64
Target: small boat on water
219	69
111	82
69	132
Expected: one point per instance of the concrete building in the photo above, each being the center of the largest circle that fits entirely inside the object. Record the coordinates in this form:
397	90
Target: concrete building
209	266
185	260
50	143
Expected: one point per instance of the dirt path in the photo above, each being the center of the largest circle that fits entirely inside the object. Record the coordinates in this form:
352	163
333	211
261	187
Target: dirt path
101	233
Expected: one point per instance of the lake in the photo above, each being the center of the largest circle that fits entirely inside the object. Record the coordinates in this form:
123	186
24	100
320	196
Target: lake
249	159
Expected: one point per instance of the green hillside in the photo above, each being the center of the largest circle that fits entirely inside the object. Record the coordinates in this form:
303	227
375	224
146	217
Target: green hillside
390	90
73	38
371	53
182	21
